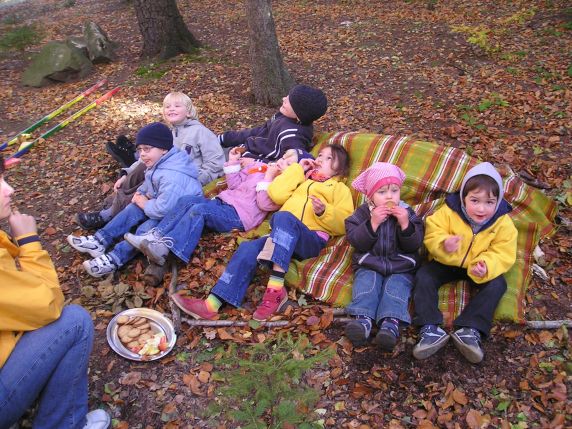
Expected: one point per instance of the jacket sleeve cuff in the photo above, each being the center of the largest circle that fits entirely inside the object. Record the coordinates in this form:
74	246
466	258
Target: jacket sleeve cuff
27	238
262	186
407	232
232	168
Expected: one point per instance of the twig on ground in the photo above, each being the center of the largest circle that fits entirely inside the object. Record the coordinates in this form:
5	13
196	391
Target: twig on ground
548	324
176	313
239	323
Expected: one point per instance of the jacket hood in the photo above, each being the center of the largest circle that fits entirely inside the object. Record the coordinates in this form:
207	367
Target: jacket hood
486	169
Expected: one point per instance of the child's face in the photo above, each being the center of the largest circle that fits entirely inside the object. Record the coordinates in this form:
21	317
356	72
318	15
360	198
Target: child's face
285	161
480	205
286	108
326	164
174	111
6	192
387	193
149	155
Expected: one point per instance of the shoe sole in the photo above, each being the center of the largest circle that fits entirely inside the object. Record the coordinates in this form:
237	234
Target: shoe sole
86	267
424	353
276	312
385	340
145	250
116	156
92	252
189	312
472	355
355	334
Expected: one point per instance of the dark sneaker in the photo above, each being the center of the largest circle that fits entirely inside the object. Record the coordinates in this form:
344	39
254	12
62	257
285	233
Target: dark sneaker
433	338
123	151
358	330
468	342
387	334
194	307
272	301
92	220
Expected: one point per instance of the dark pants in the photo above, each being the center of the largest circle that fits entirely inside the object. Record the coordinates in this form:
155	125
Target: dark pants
477	314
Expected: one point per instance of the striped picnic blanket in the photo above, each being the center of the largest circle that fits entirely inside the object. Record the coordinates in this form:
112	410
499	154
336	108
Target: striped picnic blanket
432	171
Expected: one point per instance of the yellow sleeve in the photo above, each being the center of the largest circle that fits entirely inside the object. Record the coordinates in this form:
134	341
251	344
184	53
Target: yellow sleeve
336	212
500	256
437	228
30	297
284	185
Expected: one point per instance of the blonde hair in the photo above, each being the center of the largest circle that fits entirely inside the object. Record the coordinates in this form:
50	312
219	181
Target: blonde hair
179	96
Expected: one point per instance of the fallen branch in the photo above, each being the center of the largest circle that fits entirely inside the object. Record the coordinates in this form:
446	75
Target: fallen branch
241	323
548	324
175	312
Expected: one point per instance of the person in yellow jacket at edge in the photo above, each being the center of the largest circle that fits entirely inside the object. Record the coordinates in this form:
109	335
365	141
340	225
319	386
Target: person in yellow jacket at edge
44	345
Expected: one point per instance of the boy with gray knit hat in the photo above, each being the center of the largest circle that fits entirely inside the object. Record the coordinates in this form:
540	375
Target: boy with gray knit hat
290	128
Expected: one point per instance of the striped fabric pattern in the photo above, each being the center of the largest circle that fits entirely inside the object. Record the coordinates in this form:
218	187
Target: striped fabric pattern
432	171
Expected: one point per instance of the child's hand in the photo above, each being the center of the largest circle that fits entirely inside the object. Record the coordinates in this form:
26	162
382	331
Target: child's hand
118	183
139	200
22	224
318	205
245	162
235	153
379	215
451	244
479	269
271	172
402	216
307	164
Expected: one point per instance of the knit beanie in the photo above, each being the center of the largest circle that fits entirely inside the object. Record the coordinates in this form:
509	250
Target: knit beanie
156	135
309	104
376	176
299	154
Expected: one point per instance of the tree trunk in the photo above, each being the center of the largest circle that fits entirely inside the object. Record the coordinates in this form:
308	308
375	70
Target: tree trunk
164	32
270	79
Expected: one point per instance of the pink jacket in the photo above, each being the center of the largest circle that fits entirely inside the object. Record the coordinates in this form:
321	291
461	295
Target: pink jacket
247	193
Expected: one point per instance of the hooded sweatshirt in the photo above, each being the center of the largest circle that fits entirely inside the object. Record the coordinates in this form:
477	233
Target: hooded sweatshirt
172	177
494	242
203	148
271	140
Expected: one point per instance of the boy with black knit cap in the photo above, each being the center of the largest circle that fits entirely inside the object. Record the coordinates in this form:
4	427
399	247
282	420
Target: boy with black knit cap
170	174
290	128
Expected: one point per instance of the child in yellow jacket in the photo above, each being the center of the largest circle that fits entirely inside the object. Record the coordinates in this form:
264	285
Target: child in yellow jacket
471	237
315	203
44	345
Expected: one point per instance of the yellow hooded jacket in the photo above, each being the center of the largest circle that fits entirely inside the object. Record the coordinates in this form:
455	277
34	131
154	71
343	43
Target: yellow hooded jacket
30	296
292	191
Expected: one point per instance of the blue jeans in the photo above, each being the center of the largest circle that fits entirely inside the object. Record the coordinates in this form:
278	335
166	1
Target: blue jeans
185	223
291	238
49	364
378	297
126	219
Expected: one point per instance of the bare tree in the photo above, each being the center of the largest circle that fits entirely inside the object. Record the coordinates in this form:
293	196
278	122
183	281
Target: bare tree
164	32
270	79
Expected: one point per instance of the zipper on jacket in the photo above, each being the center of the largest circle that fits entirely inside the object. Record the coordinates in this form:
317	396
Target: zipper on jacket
307	198
468	250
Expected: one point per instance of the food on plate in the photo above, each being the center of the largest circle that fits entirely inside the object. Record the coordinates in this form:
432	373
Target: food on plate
137	334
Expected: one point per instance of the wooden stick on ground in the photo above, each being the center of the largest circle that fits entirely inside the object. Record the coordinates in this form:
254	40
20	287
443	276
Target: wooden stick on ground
175	312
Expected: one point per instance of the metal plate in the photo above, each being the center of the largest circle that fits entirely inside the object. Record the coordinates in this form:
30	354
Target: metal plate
158	322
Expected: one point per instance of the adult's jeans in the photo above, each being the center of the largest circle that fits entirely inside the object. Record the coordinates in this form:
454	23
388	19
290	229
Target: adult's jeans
49	364
125	220
183	226
478	313
290	238
378	297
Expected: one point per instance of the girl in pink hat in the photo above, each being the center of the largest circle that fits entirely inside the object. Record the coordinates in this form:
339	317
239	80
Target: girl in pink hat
386	235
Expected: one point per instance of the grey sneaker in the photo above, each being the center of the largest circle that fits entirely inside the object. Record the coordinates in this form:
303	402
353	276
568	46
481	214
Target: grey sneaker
156	250
433	338
135	240
87	244
100	266
358	330
468	342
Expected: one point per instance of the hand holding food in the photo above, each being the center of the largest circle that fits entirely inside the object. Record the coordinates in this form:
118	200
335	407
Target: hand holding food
235	153
479	269
400	213
22	224
379	215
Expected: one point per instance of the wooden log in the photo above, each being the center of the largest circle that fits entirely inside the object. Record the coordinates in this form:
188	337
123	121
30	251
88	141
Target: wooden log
175	312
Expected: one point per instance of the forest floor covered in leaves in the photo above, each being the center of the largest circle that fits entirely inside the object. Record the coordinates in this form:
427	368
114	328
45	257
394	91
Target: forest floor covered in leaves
391	67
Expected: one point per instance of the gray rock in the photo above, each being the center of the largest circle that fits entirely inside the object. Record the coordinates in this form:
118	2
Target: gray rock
100	48
56	61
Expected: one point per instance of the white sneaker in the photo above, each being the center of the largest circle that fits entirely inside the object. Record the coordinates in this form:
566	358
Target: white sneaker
135	240
100	266
88	244
97	419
